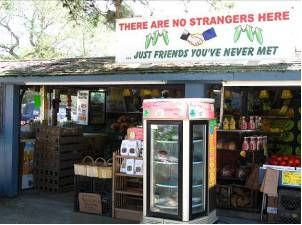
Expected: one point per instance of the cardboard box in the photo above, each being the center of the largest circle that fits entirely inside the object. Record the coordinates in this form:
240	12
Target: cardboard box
90	203
270	183
272	209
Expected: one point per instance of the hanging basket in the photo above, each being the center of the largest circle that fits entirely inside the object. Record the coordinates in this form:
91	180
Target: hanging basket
105	170
81	168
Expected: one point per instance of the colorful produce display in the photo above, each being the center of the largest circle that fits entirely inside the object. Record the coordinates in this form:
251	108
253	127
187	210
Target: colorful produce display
284	160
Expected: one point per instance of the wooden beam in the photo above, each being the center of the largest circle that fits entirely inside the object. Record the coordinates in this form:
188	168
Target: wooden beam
44	105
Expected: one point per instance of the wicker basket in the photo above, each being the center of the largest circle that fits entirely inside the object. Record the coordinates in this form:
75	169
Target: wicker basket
105	170
92	169
81	168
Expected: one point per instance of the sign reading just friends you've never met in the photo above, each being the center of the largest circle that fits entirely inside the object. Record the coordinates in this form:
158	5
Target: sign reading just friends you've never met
249	35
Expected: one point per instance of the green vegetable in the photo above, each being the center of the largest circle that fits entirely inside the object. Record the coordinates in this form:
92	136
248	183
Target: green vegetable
155	37
258	33
289	124
298	150
287	137
148	41
299	138
299	125
249	32
286	102
165	36
285	150
237	33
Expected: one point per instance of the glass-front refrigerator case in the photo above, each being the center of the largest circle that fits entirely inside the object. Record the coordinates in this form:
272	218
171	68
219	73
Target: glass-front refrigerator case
180	161
97	107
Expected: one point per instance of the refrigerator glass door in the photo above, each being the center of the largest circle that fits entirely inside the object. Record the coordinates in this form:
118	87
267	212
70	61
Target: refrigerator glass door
198	168
165	158
97	109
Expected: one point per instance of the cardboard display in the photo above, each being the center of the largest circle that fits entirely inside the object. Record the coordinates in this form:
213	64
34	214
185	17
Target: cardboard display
270	183
90	203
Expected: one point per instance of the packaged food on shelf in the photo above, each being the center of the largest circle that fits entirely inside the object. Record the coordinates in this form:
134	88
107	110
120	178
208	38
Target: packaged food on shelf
138	167
123	168
129	147
130	167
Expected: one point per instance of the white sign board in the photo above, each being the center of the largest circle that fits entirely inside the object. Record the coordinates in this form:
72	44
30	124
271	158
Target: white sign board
82	107
251	35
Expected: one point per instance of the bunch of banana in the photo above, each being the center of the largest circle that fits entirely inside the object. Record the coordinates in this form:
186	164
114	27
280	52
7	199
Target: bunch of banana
283	110
276	130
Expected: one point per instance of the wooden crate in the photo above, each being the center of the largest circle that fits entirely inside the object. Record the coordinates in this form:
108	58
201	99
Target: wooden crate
242	197
223	196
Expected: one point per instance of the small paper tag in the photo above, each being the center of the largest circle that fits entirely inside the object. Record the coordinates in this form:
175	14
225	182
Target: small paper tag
272	210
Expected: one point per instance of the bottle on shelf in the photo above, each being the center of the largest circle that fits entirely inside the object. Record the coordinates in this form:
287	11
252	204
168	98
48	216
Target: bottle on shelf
243	123
252	144
245	144
251	123
259	143
232	124
226	124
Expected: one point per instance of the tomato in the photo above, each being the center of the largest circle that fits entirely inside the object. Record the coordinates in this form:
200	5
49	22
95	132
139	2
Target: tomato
279	158
291	161
285	158
275	162
297	162
283	163
273	157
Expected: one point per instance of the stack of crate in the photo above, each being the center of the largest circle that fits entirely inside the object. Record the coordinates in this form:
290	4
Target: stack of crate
289	206
57	149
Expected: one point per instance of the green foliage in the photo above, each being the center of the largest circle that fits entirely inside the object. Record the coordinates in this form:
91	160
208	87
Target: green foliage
87	11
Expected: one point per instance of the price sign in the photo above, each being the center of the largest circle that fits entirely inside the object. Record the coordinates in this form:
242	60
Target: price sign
291	178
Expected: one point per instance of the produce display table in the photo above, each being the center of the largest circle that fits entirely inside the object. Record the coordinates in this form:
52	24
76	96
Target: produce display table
288	176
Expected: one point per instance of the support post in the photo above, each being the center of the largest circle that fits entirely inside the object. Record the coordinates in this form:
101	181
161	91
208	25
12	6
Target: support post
44	105
9	142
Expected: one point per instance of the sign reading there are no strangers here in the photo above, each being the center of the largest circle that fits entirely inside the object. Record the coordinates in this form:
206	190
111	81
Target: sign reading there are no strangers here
209	37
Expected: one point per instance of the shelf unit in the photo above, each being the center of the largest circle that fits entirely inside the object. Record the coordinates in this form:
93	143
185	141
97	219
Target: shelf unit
127	201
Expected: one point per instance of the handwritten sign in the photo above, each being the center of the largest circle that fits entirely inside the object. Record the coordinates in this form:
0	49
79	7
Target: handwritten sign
291	178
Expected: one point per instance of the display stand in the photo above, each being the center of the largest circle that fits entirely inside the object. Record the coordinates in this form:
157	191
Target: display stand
127	191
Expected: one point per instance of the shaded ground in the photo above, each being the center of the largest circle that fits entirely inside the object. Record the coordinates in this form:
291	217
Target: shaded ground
43	207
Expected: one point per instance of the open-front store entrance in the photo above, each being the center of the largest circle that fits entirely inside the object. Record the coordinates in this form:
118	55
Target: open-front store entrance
260	128
64	125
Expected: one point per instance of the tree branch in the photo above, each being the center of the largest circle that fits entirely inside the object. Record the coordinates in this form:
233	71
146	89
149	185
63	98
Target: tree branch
10	49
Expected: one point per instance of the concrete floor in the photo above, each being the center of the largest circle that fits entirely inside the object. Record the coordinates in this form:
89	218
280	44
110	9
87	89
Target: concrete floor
42	207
